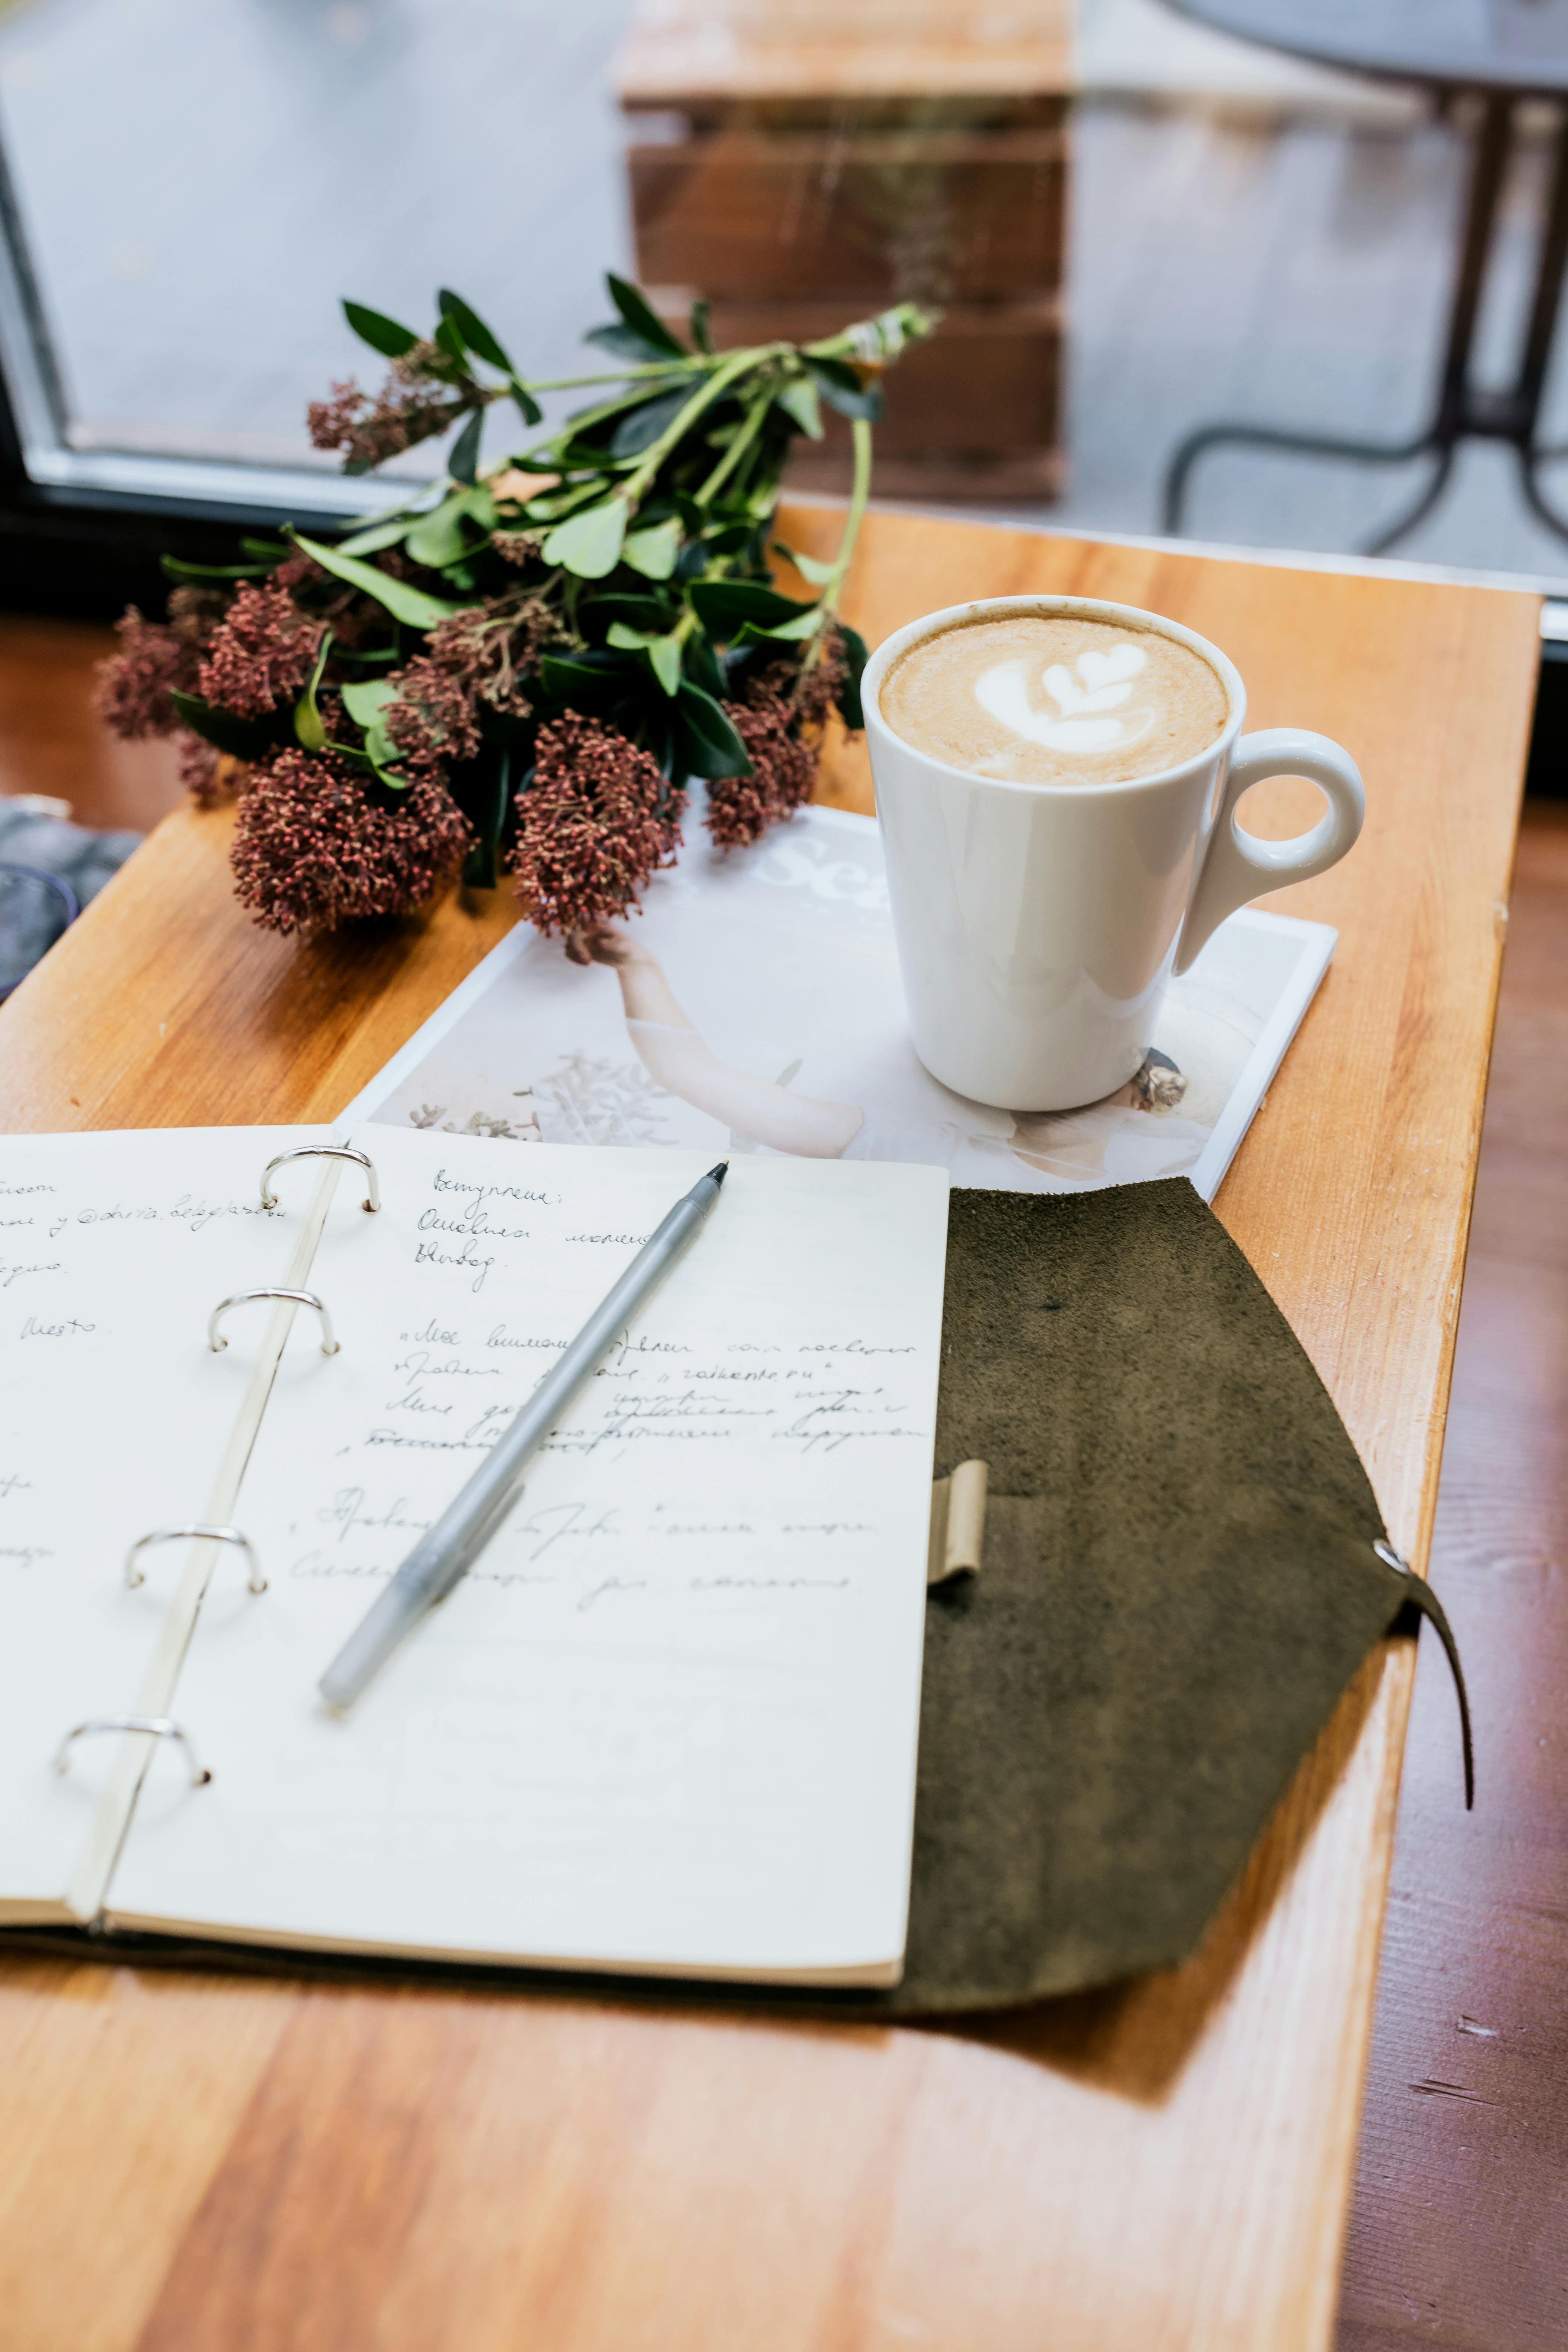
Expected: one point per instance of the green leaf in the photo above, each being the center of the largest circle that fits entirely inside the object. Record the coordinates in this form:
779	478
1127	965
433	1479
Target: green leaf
841	388
663	653
438	537
173	568
365	700
264	550
411	605
653	551
701	333
473	329
637	611
484	794
709	743
527	407
640	428
450	341
622	344
579	681
799	402
702	667
379	535
242	739
589	543
641	316
808	566
554	505
463	464
309	729
382	333
725	605
848	696
788	633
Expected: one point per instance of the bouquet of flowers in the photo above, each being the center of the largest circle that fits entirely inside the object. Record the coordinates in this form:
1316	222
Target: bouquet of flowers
517	672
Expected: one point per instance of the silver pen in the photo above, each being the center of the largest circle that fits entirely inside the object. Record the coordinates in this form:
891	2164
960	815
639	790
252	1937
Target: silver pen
446	1552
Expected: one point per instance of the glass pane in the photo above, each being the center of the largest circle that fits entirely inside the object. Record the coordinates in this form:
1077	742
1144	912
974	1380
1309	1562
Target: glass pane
201	180
1246	237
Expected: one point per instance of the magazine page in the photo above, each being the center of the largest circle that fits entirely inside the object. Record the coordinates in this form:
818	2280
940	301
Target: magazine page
754	1004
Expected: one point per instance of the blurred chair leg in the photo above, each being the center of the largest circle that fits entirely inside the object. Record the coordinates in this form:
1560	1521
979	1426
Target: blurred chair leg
1537	358
1423	506
1534	496
1301	445
1457	413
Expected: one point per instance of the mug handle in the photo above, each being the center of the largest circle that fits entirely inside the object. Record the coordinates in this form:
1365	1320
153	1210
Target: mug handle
1240	865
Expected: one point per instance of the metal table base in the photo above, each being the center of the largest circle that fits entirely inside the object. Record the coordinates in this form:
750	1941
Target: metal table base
1465	411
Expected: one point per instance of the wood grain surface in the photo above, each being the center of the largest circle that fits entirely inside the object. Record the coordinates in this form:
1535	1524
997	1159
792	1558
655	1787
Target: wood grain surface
191	2162
1460	2226
692	54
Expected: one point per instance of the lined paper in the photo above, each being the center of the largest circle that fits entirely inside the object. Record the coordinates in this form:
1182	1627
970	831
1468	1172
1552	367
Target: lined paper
114	1249
669	1721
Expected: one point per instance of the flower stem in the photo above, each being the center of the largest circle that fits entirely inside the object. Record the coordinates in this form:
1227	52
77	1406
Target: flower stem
859	489
733	365
745	435
671	366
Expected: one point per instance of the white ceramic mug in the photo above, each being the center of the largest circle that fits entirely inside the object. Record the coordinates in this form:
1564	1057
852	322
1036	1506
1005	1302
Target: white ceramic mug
1039	924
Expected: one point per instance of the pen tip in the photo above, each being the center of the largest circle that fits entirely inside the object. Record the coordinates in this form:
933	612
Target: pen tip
719	1172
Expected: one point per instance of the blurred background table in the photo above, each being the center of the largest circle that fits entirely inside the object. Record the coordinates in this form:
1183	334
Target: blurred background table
1497	56
191	2161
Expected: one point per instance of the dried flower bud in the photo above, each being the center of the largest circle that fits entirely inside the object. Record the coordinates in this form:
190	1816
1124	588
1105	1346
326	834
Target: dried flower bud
262	655
312	849
779	717
597	819
518	547
432	724
199	769
133	688
403	414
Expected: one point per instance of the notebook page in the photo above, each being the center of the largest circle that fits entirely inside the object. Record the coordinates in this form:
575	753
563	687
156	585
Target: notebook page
114	1249
670	1720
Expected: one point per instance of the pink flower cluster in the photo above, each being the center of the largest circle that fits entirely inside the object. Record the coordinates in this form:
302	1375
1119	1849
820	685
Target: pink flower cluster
262	654
598	819
778	702
404	412
312	849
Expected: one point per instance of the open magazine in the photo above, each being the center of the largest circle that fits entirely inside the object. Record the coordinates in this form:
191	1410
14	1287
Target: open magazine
755	1005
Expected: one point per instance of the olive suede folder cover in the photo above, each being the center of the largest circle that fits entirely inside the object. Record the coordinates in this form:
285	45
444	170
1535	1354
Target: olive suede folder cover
1181	1572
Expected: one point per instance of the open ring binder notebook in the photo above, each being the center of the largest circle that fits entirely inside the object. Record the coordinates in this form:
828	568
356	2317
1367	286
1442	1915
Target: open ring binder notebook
668	1723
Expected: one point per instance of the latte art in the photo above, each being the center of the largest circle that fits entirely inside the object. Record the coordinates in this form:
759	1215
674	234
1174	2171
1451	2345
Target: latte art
1042	699
1102	684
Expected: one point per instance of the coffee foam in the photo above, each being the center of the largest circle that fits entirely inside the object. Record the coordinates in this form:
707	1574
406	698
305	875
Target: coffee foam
1053	699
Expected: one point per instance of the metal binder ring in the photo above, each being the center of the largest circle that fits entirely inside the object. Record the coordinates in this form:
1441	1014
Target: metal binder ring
244	1298
159	1726
325	1151
135	1575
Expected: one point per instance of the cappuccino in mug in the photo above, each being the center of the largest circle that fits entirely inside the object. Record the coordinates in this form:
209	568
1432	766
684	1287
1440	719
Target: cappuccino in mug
1058	781
1039	698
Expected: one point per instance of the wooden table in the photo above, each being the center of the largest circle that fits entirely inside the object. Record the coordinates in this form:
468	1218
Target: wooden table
193	2163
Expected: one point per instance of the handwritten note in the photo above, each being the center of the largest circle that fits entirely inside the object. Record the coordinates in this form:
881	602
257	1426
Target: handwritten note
113	1251
669	1719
